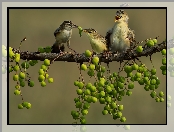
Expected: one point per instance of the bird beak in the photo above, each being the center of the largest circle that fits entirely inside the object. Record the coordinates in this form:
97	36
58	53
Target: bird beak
75	26
84	30
117	18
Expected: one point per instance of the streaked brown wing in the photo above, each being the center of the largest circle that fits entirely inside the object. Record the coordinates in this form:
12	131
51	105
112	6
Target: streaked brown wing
57	31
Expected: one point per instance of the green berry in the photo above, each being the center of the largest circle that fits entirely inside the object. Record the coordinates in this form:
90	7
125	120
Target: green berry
102	94
93	89
86	105
10	68
146	87
123	119
164	68
92	67
79	91
155	41
104	112
138	75
161	94
22	83
153	82
25	65
120	85
22	75
16	68
88	53
153	71
163	52
87	92
41	78
102	101
128	93
139	49
20	106
157	99
120	107
150	43
95	60
84	111
103	69
24	104
83	67
46	62
76	83
28	106
31	83
94	99
131	86
119	114
108	99
17	92
50	80
161	99
113	105
41	49
91	73
164	72
41	72
15	77
17	59
43	83
108	89
153	94
89	85
44	67
78	104
17	86
164	61
80	85
135	66
141	82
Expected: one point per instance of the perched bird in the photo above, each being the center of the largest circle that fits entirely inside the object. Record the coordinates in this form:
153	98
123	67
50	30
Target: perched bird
63	35
97	41
120	37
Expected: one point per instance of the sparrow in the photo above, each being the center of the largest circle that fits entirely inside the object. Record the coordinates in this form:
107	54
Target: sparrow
120	37
63	35
97	41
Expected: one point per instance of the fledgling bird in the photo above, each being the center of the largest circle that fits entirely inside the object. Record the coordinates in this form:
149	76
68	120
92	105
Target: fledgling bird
97	41
63	35
120	37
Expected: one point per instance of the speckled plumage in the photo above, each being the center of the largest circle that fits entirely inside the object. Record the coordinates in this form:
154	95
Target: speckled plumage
97	41
120	37
63	35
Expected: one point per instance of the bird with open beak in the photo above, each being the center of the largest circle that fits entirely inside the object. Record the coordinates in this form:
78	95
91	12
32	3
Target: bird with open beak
120	37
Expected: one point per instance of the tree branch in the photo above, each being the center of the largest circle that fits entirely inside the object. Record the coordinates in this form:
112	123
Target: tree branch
69	57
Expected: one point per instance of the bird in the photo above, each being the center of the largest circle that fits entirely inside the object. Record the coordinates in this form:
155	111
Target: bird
97	41
120	37
63	35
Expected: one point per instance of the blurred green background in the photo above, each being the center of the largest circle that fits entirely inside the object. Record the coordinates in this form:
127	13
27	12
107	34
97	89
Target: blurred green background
53	104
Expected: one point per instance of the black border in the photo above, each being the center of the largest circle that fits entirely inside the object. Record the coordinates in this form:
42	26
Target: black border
8	8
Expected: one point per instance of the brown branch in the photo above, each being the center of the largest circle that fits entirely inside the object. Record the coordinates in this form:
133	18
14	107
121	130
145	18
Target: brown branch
69	57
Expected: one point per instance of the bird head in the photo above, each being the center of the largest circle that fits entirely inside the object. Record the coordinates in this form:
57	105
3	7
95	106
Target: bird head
68	24
121	16
90	32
